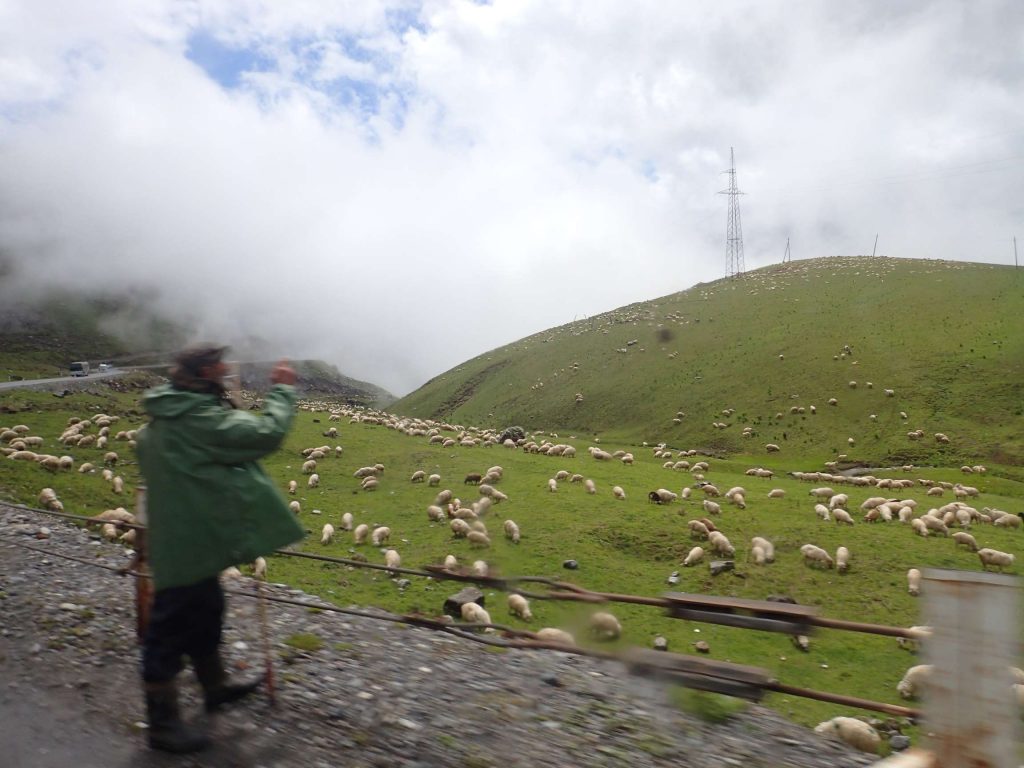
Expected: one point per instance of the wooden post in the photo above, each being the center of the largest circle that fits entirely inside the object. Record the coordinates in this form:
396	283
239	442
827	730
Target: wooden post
970	706
143	584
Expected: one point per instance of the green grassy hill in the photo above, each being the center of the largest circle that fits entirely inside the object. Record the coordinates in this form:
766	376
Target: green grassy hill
947	337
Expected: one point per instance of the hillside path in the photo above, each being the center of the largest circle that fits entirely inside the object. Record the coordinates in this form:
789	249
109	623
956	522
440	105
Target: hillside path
376	694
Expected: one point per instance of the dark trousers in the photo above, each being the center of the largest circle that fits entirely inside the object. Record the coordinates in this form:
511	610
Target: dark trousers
184	621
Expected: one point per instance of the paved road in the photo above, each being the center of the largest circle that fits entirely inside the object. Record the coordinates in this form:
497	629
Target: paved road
64	379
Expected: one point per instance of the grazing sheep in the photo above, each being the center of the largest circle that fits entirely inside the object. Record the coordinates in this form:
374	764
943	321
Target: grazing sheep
589	485
434	480
842	516
695	556
914	582
911	643
552	485
605	626
842	559
822	511
314	480
479	538
772	448
721	544
450	562
435	513
686	492
110	458
418	476
309	467
776	493
86	468
663	496
392	559
839	500
117	485
994	557
711	507
292	487
294	507
474	613
553	635
960	537
914	681
380	535
618	493
346	521
519	606
757	555
259	568
369	484
698	529
1008	521
480	568
767	546
443	497
511	531
919	527
813	554
459	528
934	524
360	533
327	534
856	733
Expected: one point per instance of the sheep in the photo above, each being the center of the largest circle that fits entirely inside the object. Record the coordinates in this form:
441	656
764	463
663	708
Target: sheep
327	534
605	626
919	527
294	507
443	497
711	507
911	643
478	538
314	480
721	544
686	492
66	462
767	546
117	485
259	568
346	521
776	493
474	613
418	476
708	524
292	487
838	500
392	559
588	484
933	524
480	568
822	511
966	539
1008	521
359	474
822	493
618	493
511	531
695	556
434	480
757	555
450	562
369	484
914	681
914	582
709	489
459	528
772	448
553	635
380	535
519	606
698	529
856	733
994	557
435	513
842	516
552	485
842	560
905	513
360	533
663	496
813	554
86	468
577	478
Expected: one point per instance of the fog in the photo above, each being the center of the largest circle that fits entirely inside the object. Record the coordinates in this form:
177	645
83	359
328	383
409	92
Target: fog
395	187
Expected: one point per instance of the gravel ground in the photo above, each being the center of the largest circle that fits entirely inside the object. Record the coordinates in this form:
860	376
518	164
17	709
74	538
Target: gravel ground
376	694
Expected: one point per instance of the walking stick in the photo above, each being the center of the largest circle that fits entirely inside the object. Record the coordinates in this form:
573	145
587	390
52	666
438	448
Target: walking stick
268	663
140	568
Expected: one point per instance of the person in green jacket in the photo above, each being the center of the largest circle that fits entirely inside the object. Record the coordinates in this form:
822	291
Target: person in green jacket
210	505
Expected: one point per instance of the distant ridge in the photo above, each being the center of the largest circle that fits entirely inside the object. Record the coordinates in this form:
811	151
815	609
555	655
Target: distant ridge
946	337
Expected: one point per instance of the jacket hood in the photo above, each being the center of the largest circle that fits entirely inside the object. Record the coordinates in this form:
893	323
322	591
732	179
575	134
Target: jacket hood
166	402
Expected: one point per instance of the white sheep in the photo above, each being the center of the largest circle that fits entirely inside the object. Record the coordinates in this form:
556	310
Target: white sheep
776	493
110	458
392	559
695	556
434	480
480	568
450	562
511	531
813	554
698	529
292	487
842	516
309	467
588	484
369	484
474	613
346	521
117	485
822	511
314	480
259	568
86	468
1008	521
360	533
856	733
842	559
960	537
994	557
380	535
435	513
327	534
418	476
605	626
554	635
766	546
552	485
618	493
459	528
757	555
721	544
479	538
711	507
911	643
914	582
294	507
914	680
519	606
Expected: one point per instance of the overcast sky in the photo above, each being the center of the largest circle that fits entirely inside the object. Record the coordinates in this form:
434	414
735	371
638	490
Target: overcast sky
398	186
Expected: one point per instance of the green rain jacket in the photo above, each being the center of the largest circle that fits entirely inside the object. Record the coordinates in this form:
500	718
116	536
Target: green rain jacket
209	503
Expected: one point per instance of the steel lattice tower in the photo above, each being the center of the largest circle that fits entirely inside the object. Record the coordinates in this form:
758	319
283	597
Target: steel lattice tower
734	228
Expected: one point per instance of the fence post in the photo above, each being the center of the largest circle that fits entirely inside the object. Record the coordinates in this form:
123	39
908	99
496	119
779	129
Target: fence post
970	707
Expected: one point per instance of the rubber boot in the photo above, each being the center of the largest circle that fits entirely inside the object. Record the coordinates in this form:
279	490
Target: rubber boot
214	680
167	732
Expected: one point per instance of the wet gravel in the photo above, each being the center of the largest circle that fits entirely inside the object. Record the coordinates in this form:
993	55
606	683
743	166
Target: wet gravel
375	694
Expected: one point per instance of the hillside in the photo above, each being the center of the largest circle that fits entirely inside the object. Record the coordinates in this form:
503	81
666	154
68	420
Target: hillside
945	336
